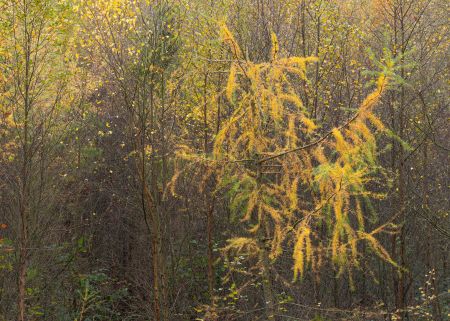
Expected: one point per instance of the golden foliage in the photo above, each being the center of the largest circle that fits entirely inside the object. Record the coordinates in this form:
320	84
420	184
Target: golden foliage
228	38
275	46
300	176
231	83
242	244
302	250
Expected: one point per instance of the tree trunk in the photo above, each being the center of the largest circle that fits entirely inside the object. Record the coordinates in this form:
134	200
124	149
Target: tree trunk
263	235
269	298
210	236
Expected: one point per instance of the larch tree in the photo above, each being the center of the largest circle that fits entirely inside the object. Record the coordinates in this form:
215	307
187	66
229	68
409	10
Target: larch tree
285	177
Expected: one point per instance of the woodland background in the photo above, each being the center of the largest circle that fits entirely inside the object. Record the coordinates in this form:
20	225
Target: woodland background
136	172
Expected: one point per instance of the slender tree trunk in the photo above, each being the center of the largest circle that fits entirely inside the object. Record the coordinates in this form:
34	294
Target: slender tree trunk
402	289
317	71
149	206
23	225
209	208
436	306
150	211
23	260
210	236
263	235
305	52
24	193
398	245
23	232
269	298
162	213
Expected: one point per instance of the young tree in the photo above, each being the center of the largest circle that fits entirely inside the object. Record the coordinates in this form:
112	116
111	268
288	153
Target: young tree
286	176
35	37
135	69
